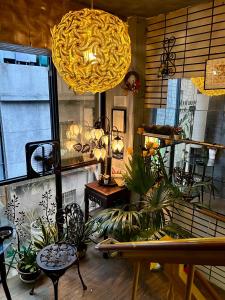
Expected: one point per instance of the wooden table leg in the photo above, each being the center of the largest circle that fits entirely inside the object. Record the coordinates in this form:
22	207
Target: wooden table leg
135	280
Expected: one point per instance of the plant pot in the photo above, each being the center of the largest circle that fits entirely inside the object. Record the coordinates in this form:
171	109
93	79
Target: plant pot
28	277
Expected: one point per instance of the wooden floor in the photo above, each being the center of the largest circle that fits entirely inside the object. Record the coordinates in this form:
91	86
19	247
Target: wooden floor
106	279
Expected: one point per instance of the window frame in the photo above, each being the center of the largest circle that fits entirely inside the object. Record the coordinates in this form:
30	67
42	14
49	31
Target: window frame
54	108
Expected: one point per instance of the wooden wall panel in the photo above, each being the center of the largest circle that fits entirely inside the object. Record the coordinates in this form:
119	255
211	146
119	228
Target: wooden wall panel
200	35
28	22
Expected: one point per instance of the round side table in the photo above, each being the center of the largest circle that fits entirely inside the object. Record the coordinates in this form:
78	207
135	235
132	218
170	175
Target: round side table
54	260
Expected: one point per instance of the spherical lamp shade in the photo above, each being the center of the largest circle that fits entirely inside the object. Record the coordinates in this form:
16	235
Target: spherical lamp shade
91	50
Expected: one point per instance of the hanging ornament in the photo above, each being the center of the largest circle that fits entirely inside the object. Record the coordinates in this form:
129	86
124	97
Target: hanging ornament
132	82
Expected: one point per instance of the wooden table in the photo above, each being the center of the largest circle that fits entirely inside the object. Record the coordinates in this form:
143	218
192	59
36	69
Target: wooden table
105	196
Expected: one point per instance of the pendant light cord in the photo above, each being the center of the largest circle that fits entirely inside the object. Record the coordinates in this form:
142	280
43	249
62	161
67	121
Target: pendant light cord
92	4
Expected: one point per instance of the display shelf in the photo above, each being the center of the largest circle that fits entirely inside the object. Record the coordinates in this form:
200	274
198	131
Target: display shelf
159	136
186	141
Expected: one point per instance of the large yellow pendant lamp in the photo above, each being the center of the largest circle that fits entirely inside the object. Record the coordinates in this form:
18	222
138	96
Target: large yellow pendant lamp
91	50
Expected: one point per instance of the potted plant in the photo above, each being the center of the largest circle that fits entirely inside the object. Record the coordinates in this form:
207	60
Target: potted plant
177	133
149	218
48	235
27	266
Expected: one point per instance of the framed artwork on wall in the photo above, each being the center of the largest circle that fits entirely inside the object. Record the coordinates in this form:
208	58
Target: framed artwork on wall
215	74
119	116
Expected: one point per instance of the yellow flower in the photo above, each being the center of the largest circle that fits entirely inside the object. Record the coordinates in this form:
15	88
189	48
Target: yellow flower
129	151
140	130
151	152
155	146
149	145
145	153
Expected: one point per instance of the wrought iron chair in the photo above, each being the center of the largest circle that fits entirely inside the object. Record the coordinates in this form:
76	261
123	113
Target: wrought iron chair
204	172
71	220
185	182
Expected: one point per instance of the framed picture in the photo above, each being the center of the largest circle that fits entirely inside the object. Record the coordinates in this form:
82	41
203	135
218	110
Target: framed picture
119	119
215	74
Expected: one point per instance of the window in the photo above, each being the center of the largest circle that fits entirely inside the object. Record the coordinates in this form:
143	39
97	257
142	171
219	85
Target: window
69	197
77	114
167	116
24	107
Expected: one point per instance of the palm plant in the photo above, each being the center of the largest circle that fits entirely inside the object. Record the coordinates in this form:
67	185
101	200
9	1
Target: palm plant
122	223
151	221
139	178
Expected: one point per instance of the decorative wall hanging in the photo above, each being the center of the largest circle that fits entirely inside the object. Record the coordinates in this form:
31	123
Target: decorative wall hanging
132	82
167	68
91	50
199	82
42	158
215	74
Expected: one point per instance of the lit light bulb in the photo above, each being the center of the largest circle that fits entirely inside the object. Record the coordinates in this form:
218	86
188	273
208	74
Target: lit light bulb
90	57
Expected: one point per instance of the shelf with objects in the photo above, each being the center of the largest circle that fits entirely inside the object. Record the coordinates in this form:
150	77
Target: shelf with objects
193	172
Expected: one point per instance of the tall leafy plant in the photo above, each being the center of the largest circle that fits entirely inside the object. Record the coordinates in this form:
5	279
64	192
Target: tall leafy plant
139	178
151	221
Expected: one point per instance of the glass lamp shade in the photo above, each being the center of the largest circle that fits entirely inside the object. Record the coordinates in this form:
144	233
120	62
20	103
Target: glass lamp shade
88	135
99	153
69	145
105	139
75	129
91	50
97	133
117	144
103	153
